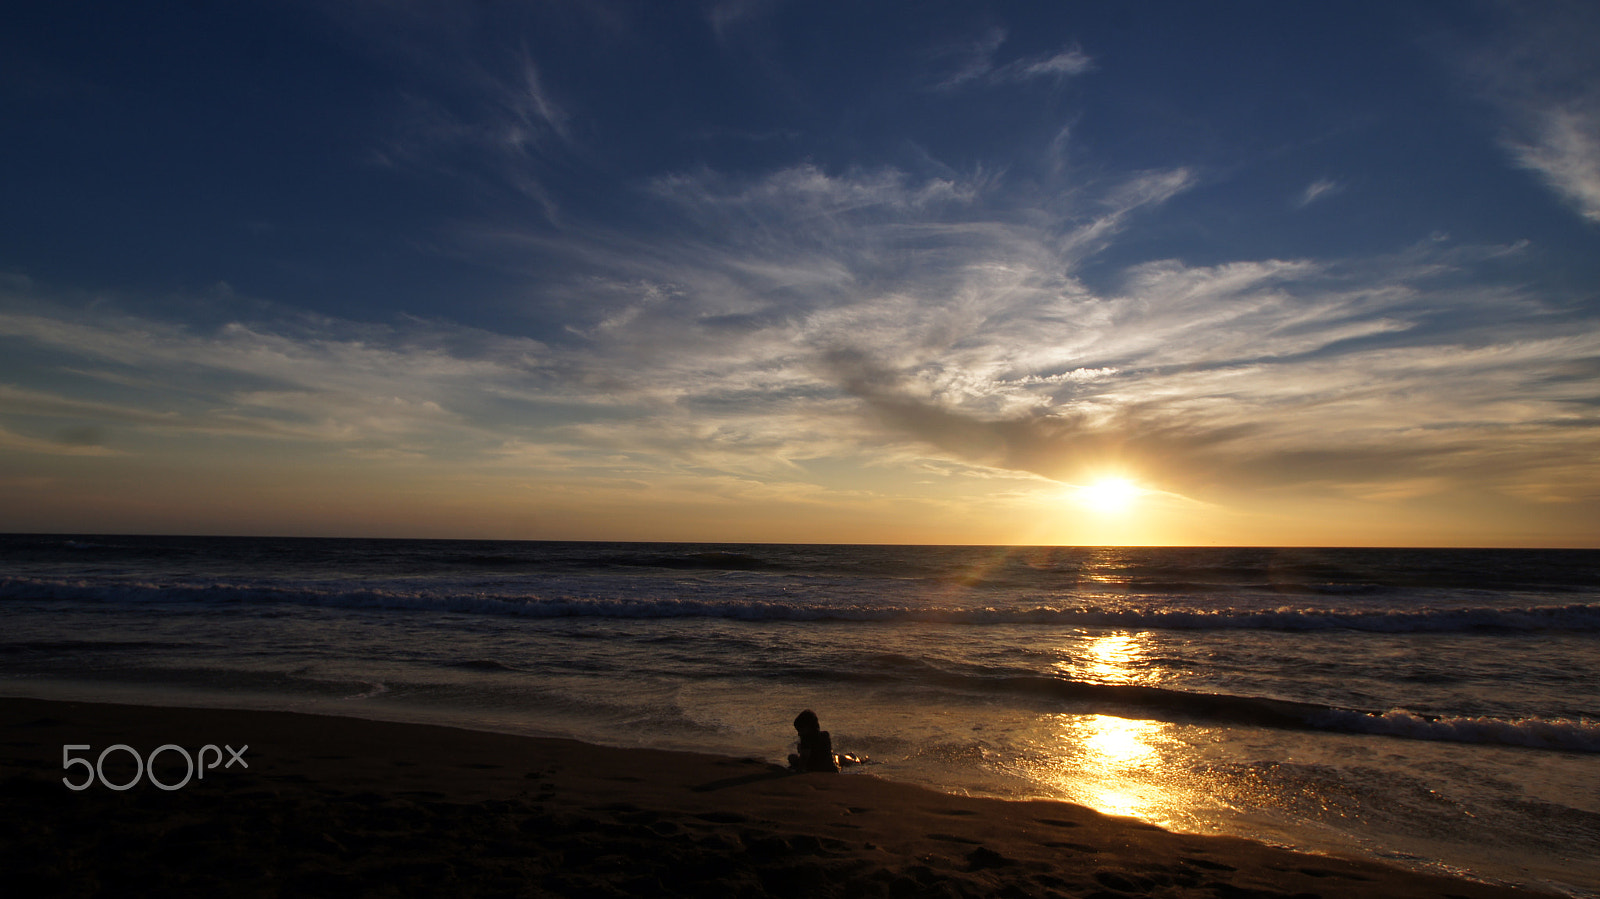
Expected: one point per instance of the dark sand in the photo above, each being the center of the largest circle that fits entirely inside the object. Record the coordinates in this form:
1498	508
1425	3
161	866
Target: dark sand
338	806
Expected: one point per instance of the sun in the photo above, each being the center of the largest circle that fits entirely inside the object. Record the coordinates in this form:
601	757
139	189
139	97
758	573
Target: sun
1108	496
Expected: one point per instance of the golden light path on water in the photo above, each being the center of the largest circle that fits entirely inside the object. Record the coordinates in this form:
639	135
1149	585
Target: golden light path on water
1112	748
1115	765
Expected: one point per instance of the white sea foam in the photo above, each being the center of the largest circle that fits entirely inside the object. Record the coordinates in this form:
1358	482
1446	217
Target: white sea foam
1582	735
373	688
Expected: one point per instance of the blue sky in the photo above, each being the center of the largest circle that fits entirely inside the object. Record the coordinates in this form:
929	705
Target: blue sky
1290	273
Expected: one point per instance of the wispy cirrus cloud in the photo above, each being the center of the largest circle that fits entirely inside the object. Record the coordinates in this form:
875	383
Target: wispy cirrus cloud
1542	74
498	139
69	442
474	108
1316	190
976	63
947	315
765	322
296	378
529	104
1563	146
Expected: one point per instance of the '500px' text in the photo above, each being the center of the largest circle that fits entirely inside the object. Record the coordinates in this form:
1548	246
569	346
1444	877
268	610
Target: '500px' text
195	765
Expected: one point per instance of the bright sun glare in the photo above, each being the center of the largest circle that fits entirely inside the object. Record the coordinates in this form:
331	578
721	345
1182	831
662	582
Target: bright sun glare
1108	495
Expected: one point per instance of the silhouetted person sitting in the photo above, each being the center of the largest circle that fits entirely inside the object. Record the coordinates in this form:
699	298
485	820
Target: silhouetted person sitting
816	747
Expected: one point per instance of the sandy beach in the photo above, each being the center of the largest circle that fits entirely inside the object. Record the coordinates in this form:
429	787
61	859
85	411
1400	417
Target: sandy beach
339	806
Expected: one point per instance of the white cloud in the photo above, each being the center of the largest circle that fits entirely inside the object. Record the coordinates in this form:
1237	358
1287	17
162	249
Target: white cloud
977	63
806	191
962	333
1141	190
1565	151
530	106
1316	190
1541	72
306	379
976	58
13	442
873	315
1066	62
488	120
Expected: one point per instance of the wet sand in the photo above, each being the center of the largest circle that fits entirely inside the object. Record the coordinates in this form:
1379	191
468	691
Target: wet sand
340	806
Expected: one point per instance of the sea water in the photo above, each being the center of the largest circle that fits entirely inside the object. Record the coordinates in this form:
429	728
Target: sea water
1434	708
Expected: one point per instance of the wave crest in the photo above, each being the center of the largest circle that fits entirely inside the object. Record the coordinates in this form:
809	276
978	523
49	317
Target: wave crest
1580	735
1569	617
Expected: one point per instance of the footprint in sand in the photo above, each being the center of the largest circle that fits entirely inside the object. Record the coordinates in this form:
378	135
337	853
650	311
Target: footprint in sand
984	857
1209	865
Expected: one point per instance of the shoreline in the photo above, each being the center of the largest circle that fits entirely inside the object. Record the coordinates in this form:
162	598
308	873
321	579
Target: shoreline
350	806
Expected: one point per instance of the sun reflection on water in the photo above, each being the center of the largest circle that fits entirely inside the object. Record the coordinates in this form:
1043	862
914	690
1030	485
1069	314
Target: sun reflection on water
1106	659
1111	658
1119	766
1114	752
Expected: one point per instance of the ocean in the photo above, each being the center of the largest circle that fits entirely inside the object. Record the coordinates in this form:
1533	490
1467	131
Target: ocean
1433	708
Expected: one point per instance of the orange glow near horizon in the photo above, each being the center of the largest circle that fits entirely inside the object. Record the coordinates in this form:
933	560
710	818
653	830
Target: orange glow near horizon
250	492
1111	509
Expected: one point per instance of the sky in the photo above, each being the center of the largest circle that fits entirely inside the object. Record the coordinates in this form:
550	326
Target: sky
764	271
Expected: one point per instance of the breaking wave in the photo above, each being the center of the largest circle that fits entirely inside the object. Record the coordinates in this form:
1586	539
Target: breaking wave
1571	617
1580	735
